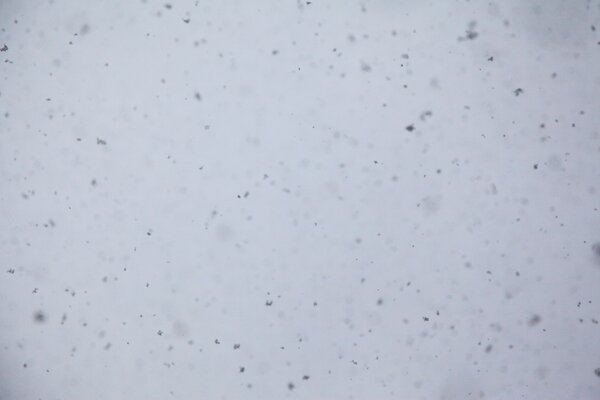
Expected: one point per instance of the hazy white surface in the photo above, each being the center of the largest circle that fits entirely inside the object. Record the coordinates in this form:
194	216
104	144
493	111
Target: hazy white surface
162	181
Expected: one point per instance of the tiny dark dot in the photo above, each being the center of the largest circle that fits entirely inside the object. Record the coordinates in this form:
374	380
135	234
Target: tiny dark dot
534	320
39	316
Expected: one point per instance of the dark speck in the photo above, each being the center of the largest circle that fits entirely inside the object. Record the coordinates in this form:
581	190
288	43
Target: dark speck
305	377
534	320
269	303
471	35
596	250
425	114
4	48
39	317
410	128
597	372
290	386
186	20
518	91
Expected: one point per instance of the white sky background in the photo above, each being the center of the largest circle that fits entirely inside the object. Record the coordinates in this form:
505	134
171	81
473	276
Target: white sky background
162	181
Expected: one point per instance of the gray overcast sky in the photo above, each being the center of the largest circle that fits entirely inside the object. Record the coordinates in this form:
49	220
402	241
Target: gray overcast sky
299	199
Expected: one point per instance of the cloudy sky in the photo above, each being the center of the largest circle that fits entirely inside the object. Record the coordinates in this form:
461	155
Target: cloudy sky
262	199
